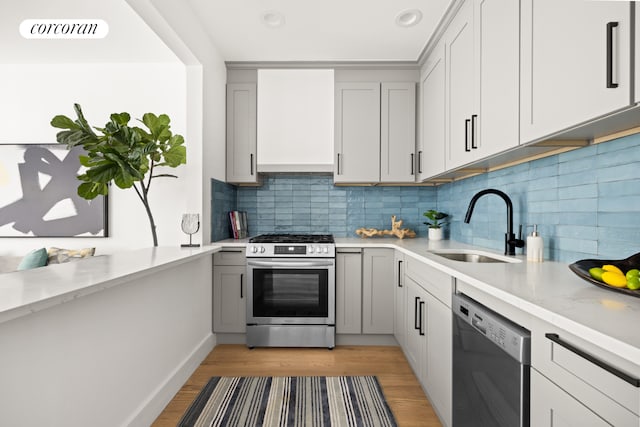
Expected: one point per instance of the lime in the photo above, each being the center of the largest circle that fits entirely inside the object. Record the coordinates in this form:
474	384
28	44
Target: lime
596	273
612	268
633	282
614	279
634	272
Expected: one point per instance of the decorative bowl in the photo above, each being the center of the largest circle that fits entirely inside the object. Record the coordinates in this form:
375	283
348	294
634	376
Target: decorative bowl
581	268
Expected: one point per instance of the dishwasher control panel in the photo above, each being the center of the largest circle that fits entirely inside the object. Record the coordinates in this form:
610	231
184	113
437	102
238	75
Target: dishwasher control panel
510	337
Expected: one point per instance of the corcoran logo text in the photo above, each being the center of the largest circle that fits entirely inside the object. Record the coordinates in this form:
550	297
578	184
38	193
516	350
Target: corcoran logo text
64	29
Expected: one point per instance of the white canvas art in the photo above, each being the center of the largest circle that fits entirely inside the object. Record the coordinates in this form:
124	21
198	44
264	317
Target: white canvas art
38	194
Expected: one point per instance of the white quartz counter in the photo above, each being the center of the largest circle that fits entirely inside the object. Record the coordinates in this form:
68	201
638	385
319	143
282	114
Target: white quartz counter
547	290
29	291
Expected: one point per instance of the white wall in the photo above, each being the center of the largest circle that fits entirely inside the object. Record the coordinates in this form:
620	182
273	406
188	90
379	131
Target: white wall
181	29
33	94
180	73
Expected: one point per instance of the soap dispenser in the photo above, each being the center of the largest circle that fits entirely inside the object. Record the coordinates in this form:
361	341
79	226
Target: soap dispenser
535	246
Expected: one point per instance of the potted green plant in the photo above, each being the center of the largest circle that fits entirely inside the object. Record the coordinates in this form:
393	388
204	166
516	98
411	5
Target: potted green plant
436	223
125	155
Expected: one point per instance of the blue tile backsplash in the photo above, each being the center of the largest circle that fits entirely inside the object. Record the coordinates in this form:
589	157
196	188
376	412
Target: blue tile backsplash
312	204
586	203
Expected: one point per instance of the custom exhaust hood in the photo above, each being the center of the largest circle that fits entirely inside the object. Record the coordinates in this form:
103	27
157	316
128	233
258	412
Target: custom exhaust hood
295	120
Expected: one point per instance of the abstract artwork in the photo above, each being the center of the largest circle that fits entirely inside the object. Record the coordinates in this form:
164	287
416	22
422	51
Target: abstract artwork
38	194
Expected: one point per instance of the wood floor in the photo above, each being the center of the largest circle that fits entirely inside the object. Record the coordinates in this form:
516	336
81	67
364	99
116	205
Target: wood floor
401	389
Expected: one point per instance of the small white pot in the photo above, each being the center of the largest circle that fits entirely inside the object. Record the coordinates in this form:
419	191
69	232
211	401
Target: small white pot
435	233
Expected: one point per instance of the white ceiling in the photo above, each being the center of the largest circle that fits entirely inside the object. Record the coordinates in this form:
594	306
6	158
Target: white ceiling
325	30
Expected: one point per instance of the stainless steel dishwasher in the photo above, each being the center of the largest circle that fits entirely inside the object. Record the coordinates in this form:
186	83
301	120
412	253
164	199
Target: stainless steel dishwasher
491	362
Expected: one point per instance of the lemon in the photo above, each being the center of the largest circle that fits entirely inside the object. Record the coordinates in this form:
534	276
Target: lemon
612	268
633	282
634	272
596	273
612	278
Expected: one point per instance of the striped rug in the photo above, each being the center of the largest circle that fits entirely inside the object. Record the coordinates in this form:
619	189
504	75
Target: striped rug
290	402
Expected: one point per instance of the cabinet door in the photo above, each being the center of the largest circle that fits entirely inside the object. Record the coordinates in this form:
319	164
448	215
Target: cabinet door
497	35
400	299
229	302
431	146
437	370
241	133
459	39
357	132
398	132
348	293
416	341
552	407
377	291
570	73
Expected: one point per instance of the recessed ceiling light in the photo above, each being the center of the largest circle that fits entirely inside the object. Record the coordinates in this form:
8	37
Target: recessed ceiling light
408	18
273	19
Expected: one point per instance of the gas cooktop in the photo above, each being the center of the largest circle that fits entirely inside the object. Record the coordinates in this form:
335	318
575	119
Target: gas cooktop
293	238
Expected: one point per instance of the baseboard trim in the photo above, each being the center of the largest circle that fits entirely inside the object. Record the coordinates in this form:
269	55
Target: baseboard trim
153	406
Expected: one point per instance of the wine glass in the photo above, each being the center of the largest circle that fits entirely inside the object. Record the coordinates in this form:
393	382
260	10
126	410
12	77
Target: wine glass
190	225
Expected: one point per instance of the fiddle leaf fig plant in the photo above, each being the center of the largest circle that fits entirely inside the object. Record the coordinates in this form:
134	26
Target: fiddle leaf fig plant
435	218
125	155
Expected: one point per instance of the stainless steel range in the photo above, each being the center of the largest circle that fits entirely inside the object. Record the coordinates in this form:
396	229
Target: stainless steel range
291	293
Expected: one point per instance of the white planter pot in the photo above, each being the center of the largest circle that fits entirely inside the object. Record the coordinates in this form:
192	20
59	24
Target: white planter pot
435	233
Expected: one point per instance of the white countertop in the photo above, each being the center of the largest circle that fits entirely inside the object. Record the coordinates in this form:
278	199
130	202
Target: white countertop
25	292
547	290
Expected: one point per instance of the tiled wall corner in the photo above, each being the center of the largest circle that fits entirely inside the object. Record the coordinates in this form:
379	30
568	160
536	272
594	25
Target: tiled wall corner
223	199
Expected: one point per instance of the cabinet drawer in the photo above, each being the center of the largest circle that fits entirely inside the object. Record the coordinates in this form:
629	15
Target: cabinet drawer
434	281
229	257
592	375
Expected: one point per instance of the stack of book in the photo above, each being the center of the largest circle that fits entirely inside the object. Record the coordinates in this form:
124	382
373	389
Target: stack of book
238	222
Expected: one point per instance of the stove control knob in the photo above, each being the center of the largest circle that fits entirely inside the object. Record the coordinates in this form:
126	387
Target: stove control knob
310	249
325	250
254	249
318	250
262	249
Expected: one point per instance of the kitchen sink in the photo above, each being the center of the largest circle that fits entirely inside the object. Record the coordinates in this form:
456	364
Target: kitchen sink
471	255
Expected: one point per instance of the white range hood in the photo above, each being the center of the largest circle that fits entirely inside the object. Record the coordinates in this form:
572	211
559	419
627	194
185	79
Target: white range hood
295	120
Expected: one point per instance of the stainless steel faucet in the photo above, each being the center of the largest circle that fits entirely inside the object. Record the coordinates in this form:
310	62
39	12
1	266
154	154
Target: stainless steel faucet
510	241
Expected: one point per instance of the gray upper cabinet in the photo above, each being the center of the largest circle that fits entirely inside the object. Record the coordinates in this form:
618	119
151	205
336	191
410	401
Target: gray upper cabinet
431	144
357	133
575	63
241	133
374	132
398	132
482	55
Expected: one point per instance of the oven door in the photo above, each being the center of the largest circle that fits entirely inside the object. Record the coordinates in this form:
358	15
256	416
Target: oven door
291	291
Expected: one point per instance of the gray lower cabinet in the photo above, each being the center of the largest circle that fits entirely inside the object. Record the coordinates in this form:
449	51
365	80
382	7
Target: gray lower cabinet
552	406
364	291
400	300
428	337
229	291
377	291
349	291
575	383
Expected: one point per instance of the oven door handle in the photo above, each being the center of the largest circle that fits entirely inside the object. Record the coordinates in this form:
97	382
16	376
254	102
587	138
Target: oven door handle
296	264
